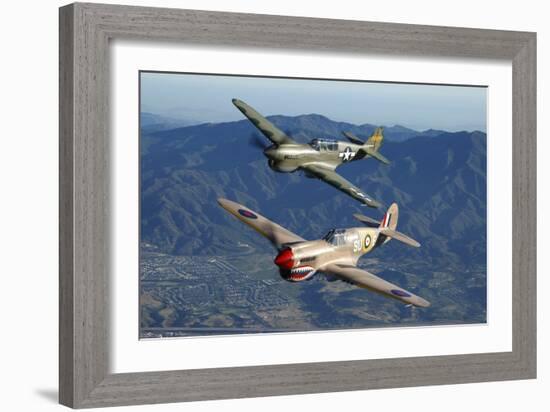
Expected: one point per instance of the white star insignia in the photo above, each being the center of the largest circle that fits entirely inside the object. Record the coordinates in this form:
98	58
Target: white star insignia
347	154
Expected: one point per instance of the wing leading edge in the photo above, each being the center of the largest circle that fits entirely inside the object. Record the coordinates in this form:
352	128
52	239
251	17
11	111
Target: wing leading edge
268	129
277	235
364	279
334	179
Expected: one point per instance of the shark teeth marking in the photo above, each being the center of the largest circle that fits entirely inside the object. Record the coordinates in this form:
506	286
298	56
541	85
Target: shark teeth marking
301	273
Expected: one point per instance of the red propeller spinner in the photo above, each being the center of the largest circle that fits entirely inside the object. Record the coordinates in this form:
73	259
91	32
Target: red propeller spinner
285	259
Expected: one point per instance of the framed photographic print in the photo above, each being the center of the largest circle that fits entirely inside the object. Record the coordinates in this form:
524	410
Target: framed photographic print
259	205
201	273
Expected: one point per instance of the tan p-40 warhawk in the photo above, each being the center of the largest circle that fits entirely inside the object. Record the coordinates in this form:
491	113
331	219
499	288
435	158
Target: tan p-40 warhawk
336	254
318	159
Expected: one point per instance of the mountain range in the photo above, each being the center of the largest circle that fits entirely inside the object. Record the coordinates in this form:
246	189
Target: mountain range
150	122
437	178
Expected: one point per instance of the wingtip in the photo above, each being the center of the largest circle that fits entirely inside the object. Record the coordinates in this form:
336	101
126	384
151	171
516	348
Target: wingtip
222	202
373	203
423	303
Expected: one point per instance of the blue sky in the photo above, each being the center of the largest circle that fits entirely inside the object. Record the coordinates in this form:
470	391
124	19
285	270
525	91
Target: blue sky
206	98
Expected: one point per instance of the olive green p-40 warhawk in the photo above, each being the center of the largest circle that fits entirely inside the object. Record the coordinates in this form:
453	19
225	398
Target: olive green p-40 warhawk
318	159
336	254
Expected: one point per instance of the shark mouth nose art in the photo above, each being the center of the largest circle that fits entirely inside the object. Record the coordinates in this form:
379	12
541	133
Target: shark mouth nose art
301	273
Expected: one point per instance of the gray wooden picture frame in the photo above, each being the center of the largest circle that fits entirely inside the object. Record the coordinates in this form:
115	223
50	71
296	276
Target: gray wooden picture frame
85	31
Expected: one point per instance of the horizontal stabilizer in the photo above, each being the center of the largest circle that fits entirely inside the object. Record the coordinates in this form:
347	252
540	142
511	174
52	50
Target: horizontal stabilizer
352	138
366	220
394	234
376	154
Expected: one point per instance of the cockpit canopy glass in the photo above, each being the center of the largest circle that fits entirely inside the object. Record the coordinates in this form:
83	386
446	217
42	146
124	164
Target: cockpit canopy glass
323	144
336	237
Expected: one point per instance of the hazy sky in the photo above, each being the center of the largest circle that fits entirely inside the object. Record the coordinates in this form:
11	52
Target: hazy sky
207	98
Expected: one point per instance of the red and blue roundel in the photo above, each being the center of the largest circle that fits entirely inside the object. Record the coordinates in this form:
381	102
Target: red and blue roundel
247	213
400	293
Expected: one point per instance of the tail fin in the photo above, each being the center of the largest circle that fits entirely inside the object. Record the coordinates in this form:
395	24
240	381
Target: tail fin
372	145
375	141
388	225
389	221
352	138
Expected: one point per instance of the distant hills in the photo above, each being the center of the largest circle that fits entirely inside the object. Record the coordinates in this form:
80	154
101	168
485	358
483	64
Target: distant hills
150	122
312	123
321	126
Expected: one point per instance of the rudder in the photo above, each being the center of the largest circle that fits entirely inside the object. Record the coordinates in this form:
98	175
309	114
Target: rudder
389	221
375	141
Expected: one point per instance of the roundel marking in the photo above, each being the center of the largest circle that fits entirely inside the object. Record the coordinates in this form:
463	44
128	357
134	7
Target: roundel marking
400	293
368	241
247	213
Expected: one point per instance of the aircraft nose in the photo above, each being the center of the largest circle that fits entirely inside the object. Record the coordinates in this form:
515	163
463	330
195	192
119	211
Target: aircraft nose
272	152
285	259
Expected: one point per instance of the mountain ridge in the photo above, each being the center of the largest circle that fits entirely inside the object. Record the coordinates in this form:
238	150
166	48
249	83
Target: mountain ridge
194	167
326	127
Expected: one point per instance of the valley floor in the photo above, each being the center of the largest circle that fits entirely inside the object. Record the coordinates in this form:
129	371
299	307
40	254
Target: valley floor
243	293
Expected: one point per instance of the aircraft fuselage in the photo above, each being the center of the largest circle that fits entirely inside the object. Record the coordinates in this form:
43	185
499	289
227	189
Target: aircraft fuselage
300	261
288	158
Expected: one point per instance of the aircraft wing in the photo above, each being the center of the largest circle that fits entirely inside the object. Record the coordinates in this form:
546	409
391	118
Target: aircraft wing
364	279
276	234
265	126
334	179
